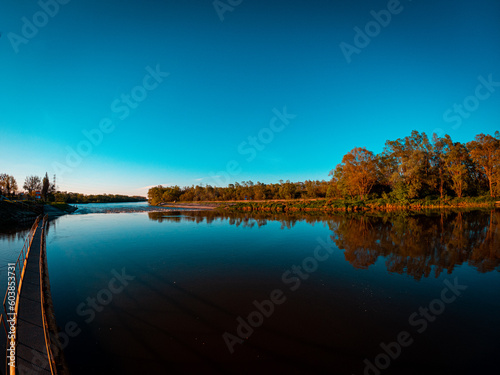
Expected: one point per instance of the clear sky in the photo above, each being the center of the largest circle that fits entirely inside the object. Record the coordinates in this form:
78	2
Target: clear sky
296	76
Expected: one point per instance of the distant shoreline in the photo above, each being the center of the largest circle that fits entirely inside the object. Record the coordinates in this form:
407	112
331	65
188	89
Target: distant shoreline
188	205
326	205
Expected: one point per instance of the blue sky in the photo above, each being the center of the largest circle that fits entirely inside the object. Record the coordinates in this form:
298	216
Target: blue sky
227	81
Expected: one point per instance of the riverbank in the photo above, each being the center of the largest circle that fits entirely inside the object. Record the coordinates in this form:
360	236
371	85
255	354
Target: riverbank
15	214
200	206
327	205
58	209
330	205
338	205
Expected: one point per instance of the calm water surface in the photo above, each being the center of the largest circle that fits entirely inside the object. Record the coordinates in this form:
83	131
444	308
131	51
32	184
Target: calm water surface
119	207
167	292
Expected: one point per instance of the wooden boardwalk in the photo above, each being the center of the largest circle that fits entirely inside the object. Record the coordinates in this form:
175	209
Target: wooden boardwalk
32	357
24	312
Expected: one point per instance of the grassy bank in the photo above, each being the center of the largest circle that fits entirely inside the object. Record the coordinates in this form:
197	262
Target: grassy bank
326	205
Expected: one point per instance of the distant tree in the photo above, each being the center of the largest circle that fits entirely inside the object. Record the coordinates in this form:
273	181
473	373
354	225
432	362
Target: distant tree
485	152
45	186
260	191
32	183
155	195
3	180
13	185
171	194
287	190
8	184
311	189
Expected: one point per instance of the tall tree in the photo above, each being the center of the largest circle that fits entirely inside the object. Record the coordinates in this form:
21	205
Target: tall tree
457	163
8	184
3	180
32	183
485	152
439	172
358	172
408	162
45	186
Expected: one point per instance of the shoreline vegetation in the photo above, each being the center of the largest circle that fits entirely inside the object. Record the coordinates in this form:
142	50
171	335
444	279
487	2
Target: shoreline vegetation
412	173
21	213
340	205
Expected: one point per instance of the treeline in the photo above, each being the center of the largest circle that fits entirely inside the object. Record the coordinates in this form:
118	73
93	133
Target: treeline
99	198
409	168
49	193
9	187
415	168
245	190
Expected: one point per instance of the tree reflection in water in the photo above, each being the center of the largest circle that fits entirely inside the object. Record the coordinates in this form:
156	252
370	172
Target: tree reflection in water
417	244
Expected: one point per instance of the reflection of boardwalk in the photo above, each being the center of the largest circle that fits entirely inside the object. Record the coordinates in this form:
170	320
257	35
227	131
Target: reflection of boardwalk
31	347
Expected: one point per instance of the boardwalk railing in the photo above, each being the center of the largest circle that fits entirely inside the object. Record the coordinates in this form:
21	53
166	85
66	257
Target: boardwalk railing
48	342
12	293
16	272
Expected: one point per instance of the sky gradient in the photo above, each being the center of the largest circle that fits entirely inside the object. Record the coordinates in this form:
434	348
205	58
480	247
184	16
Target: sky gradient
169	92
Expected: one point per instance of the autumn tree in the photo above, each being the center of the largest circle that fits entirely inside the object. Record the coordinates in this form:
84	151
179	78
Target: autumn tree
485	152
457	164
260	191
287	190
439	171
358	172
32	183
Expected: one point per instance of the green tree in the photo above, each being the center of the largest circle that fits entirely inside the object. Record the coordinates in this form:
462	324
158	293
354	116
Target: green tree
408	162
155	195
485	152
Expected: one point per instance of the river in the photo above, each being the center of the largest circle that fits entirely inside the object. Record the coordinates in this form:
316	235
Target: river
200	292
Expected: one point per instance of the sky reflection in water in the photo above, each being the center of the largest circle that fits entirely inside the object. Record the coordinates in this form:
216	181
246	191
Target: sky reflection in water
195	273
